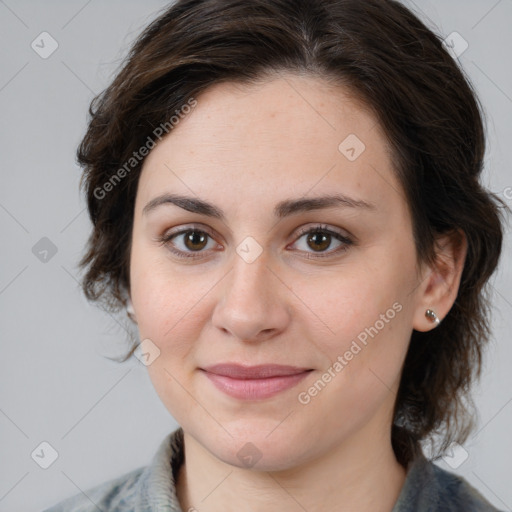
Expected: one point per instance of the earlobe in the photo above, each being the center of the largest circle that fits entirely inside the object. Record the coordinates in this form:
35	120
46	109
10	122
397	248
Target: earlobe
130	311
440	289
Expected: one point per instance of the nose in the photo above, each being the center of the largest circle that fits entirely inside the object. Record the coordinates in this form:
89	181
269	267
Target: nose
252	304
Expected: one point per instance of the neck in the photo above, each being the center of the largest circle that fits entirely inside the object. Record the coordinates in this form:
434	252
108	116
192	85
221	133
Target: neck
360	475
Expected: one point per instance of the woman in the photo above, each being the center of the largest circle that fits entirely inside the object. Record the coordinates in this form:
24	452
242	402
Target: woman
285	198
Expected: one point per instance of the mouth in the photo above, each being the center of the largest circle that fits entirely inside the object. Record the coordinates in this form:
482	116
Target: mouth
254	382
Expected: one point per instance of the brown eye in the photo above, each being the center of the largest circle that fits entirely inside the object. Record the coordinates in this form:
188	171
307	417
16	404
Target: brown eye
189	243
322	242
319	241
195	240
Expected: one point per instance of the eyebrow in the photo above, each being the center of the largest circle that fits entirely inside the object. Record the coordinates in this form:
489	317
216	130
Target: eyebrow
282	209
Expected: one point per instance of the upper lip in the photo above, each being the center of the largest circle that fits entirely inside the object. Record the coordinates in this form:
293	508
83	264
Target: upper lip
238	371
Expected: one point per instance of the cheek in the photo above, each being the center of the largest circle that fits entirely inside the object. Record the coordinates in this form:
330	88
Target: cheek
362	321
365	345
351	303
170	316
170	312
164	298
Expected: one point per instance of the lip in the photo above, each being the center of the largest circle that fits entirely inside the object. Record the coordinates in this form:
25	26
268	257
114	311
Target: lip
254	382
261	371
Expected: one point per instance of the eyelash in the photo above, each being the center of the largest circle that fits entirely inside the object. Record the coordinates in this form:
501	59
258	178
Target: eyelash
347	241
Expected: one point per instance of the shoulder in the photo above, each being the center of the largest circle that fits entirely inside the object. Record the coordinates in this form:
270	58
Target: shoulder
456	494
144	489
113	495
429	488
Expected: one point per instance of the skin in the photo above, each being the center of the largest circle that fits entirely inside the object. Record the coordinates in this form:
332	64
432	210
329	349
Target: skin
244	149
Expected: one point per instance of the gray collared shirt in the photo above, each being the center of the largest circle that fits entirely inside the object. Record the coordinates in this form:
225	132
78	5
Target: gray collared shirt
427	488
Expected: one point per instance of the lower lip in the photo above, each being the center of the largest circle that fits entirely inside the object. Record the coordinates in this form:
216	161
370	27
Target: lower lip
255	389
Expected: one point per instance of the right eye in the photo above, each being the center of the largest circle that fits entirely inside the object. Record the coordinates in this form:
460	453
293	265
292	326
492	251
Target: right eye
186	242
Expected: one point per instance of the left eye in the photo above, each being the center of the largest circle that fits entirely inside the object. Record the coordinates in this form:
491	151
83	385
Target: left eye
320	239
194	243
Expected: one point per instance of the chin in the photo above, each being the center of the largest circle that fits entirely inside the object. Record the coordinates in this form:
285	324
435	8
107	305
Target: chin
254	448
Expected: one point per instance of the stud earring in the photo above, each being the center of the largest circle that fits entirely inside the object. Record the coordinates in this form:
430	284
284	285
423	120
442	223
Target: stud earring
431	315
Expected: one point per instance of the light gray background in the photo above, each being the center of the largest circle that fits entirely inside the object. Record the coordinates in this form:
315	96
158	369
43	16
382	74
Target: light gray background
105	419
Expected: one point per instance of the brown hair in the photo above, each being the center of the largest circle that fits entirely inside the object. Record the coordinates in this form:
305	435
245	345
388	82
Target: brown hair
399	68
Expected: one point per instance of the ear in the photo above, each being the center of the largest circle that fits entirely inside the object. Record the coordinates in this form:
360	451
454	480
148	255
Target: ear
130	311
440	280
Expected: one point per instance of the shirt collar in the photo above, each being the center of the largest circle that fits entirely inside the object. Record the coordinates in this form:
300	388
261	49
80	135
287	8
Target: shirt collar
156	489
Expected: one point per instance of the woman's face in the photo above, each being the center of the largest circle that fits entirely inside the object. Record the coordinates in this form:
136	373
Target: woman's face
250	282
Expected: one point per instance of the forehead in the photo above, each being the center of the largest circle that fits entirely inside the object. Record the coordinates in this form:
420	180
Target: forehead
287	136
